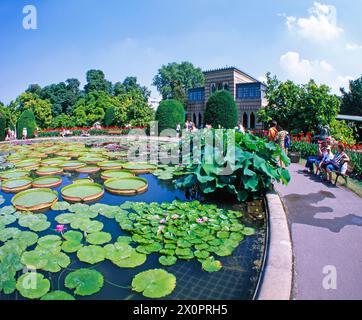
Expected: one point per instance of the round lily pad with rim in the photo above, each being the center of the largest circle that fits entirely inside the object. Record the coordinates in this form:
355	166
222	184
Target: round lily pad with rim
49	171
16	185
33	285
47	182
88	169
91	160
72	165
140	168
29	164
126	186
35	199
82	192
84	180
14	174
111	165
156	283
86	282
111	174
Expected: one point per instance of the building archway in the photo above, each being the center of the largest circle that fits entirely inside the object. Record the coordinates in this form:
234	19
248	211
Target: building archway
194	118
252	121
200	120
245	120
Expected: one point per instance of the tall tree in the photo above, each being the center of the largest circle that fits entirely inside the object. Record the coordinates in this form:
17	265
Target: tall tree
96	82
41	109
130	84
352	100
172	77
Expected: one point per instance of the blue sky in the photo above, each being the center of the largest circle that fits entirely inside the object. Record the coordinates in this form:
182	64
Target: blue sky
295	39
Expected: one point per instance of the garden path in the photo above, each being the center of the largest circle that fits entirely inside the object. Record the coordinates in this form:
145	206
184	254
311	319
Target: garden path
326	229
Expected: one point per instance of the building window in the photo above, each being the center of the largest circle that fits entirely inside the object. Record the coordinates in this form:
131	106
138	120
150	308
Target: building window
252	121
219	86
196	94
200	120
213	87
225	86
248	92
245	120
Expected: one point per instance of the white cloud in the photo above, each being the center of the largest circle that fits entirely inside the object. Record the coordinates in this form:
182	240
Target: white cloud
302	70
353	46
321	25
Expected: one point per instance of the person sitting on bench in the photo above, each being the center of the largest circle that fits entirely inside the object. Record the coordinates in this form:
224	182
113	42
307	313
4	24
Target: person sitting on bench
338	163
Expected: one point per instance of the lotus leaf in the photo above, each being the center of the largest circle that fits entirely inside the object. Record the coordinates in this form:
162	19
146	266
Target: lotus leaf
61	206
91	254
134	260
118	251
99	238
167	261
86	282
155	283
58	295
34	222
33	285
211	265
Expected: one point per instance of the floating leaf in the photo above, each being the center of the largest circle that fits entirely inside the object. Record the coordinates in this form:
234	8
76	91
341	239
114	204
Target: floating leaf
155	283
58	295
248	231
167	261
91	254
211	265
118	251
124	239
33	285
86	282
50	242
201	254
73	241
61	206
34	222
134	260
99	238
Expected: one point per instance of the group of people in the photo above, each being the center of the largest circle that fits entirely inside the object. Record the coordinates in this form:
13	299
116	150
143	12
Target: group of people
11	134
326	162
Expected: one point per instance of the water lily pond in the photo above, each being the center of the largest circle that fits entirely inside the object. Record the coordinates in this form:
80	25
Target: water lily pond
95	225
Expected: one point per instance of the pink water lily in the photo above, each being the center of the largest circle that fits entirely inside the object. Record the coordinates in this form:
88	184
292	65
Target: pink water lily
175	216
200	220
205	219
60	228
163	221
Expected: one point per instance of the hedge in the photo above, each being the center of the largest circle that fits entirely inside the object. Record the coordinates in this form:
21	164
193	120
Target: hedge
169	114
2	127
26	120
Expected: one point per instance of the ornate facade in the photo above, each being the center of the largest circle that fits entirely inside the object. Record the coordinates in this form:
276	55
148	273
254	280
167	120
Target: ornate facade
247	92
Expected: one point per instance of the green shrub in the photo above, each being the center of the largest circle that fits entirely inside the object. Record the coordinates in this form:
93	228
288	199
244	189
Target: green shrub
256	166
26	120
305	148
2	127
169	114
221	110
109	117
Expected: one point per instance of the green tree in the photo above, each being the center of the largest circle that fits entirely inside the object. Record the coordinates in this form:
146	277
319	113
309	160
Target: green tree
41	109
221	110
10	113
169	114
352	100
130	85
26	120
96	82
2	127
175	76
63	121
299	107
109	117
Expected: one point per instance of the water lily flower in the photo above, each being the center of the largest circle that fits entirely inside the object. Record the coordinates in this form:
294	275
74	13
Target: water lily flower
60	228
200	220
175	216
205	219
162	221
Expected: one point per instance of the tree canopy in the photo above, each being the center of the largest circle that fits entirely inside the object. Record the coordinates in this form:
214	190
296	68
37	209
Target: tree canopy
352	100
175	79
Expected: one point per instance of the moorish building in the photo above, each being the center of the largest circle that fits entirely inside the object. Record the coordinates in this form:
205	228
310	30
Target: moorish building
246	90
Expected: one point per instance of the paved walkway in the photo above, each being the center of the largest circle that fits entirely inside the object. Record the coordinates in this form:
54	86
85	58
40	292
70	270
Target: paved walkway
326	229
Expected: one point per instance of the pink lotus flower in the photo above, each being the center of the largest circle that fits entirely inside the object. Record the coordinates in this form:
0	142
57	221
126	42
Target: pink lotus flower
60	228
175	216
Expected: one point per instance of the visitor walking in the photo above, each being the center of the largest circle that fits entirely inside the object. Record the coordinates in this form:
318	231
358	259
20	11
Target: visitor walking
282	138
25	133
273	131
178	130
240	128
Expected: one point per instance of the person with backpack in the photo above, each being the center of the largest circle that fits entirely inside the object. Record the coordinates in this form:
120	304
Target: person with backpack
283	140
273	132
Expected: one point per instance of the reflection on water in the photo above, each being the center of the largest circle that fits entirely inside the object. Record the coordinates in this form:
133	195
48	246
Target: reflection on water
236	280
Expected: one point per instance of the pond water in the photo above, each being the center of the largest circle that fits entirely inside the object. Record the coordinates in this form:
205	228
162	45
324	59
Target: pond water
236	280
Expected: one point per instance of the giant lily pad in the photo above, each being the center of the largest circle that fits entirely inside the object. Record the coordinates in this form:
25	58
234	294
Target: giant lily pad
28	164
71	165
58	295
88	169
14	174
110	165
91	254
33	285
35	199
126	186
49	171
110	174
92	160
34	222
84	192
85	281
140	168
16	185
155	283
47	182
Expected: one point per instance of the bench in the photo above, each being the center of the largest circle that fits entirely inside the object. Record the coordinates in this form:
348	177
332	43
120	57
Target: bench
346	175
115	132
